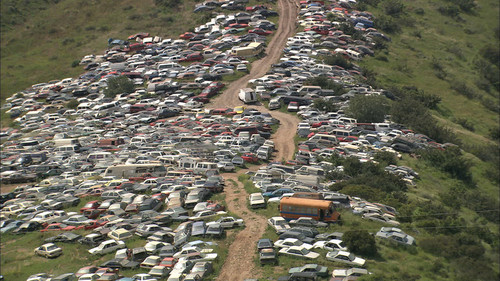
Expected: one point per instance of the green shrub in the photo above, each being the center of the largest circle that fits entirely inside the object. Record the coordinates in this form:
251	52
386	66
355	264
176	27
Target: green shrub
360	242
385	158
326	83
72	104
368	109
337	59
118	85
324	105
450	161
394	8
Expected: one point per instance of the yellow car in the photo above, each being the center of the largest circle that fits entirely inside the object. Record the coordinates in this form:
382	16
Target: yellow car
239	109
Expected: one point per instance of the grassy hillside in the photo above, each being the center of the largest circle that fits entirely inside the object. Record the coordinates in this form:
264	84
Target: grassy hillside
41	39
444	55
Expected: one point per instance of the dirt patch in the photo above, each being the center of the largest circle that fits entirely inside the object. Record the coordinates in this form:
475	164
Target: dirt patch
6	188
239	263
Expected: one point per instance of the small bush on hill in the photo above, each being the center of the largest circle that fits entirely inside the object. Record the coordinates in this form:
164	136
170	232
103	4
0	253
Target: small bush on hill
368	109
360	242
118	85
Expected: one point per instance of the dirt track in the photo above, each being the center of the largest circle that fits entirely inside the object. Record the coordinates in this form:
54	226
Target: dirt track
239	264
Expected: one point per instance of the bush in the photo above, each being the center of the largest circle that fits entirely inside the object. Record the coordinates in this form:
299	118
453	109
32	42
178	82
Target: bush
394	8
411	112
75	63
368	109
72	104
167	3
118	85
363	191
326	83
360	242
385	158
324	105
450	11
465	123
337	59
450	161
387	24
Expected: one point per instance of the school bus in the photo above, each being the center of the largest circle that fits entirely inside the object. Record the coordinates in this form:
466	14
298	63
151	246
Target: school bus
321	210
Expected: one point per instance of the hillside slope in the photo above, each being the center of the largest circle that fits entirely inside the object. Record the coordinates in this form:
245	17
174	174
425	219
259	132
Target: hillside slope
40	40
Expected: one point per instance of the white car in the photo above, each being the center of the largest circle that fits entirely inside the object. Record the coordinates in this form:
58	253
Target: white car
396	235
278	199
203	215
279	224
380	218
48	250
190	250
107	246
299	251
89	277
151	262
143	277
230	222
345	257
350	272
226	166
331	245
257	201
289	242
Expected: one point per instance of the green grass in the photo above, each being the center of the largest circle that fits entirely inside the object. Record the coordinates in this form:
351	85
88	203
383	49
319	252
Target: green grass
451	44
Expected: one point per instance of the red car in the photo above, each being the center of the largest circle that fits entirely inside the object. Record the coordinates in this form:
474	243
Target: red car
86	270
169	262
93	214
94	224
255	8
138	35
319	124
218	85
58	226
347	139
187	35
91	205
260	31
250	158
196	56
159	196
216	207
93	192
236	25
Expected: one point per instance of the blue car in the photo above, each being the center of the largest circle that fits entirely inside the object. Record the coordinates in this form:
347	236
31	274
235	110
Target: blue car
277	192
11	226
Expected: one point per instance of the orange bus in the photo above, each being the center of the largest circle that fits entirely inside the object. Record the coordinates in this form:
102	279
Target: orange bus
321	210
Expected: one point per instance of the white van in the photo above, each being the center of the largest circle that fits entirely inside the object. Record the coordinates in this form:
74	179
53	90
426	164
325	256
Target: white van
326	137
99	156
203	167
347	120
324	67
382	127
308	170
309	89
354	55
68	149
274	104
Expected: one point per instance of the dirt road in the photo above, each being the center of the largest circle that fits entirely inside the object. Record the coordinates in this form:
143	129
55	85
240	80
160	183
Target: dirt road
283	138
239	264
